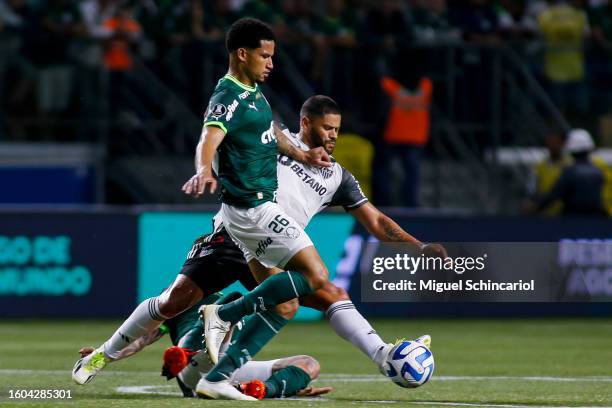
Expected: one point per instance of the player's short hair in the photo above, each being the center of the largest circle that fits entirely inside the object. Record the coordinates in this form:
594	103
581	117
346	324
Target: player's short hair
319	105
247	33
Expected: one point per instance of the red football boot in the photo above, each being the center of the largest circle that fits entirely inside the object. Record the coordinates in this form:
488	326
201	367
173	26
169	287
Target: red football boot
175	359
254	388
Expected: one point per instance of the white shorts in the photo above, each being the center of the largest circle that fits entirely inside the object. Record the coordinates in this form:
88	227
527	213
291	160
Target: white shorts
265	233
254	370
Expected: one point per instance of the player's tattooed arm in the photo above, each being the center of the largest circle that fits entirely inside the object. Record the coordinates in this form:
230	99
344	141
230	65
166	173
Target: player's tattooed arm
314	157
387	230
381	226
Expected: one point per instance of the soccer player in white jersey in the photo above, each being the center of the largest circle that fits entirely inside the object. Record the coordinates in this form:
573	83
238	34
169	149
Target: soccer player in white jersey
320	123
215	261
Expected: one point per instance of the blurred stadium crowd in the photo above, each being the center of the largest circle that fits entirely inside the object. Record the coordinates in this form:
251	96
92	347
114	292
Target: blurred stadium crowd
68	67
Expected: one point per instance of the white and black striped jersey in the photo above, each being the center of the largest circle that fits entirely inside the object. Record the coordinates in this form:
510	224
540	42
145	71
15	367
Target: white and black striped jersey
303	190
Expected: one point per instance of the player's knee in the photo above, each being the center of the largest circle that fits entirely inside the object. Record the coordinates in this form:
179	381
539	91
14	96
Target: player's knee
288	309
179	297
310	365
173	302
318	277
334	293
169	308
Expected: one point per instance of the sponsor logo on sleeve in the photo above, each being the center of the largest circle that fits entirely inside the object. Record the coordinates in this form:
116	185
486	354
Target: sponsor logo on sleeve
231	109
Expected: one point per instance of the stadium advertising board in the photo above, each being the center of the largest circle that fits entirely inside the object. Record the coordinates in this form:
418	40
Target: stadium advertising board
565	269
67	265
166	238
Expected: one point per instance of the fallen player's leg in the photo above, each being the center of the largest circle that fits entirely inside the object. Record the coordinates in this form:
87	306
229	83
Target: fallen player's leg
215	254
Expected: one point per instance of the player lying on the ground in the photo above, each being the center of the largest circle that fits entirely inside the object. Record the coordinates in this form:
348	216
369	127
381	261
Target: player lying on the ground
187	360
270	244
215	261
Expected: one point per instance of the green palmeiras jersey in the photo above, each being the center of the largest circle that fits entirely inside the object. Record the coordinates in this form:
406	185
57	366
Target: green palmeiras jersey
246	159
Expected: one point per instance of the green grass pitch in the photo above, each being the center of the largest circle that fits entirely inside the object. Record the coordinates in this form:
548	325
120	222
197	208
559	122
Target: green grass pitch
505	363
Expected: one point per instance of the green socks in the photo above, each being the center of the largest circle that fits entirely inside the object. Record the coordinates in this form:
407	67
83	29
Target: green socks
286	382
256	332
273	291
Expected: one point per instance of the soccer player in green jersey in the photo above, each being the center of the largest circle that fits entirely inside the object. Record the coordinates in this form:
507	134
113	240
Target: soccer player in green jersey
187	360
239	140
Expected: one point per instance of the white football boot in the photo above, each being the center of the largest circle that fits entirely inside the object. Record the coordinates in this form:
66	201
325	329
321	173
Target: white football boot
86	368
215	330
220	390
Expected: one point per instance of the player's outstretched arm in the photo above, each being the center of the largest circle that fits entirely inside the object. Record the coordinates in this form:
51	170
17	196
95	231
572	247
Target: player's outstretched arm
387	230
314	157
210	140
382	226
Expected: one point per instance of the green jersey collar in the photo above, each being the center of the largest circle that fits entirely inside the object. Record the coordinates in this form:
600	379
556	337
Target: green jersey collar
240	84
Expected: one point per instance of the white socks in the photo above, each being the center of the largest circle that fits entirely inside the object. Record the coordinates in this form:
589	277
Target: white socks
349	324
199	365
144	319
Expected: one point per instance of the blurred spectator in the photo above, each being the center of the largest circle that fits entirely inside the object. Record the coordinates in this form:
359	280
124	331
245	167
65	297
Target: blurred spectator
94	14
61	23
432	22
338	24
220	18
564	28
386	28
384	35
547	171
601	57
193	39
19	29
580	186
124	33
478	21
407	132
518	18
307	47
265	10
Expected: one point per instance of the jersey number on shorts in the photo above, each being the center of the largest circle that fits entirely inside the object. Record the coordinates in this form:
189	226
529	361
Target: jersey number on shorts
278	224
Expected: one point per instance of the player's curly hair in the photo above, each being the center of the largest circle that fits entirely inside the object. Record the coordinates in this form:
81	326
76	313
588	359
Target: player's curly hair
319	105
247	33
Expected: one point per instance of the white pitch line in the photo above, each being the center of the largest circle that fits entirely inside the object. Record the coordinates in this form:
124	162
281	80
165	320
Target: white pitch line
151	389
148	389
342	377
474	404
369	377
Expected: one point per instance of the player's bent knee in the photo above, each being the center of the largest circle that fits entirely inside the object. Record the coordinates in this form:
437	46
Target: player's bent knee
318	279
171	307
288	309
334	293
175	301
180	296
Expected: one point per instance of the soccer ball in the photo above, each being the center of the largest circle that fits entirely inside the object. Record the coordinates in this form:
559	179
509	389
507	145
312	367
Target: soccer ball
410	364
